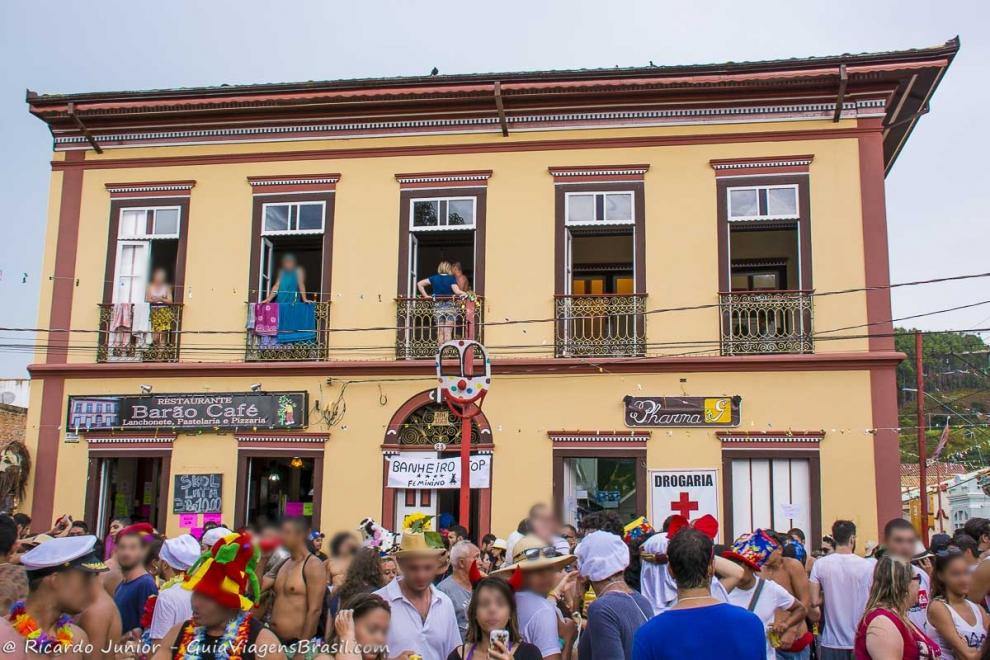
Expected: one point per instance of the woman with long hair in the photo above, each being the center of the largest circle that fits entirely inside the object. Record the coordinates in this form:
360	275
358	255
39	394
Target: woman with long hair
493	608
958	625
360	630
885	632
364	575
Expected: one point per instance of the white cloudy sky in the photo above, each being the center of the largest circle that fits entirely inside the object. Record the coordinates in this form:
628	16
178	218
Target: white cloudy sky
936	192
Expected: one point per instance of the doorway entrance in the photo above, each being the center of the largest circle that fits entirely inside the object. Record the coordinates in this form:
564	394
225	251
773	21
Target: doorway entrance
279	487
131	487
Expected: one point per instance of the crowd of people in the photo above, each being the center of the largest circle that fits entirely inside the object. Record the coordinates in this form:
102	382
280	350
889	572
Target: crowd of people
608	589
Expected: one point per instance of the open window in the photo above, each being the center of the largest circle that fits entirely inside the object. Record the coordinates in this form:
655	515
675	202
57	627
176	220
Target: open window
296	229
441	229
598	309
147	240
765	284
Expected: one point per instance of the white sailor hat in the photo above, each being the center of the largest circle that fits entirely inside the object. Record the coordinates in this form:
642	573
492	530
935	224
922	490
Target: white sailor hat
59	554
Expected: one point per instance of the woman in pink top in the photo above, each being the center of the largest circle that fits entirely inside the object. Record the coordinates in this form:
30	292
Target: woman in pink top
885	632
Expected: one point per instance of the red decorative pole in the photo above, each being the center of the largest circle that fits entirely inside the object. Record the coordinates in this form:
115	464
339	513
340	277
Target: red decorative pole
922	446
466	423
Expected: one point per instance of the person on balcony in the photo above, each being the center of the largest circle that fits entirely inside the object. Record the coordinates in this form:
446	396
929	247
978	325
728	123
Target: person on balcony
457	270
296	312
444	288
159	294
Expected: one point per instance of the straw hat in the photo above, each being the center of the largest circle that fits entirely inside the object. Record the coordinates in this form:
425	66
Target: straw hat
539	562
416	544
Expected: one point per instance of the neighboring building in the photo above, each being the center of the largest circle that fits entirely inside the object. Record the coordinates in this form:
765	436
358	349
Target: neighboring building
15	391
940	476
13	423
646	246
968	498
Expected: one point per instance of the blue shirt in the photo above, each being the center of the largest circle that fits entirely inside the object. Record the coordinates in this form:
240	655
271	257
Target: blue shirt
130	598
703	633
613	619
442	285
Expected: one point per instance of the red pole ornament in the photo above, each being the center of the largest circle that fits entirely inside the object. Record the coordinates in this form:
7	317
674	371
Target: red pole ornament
464	392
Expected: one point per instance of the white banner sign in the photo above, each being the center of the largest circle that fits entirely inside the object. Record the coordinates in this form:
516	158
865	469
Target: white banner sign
407	471
690	493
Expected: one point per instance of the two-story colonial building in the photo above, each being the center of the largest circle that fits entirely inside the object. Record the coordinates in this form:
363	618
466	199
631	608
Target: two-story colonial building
680	274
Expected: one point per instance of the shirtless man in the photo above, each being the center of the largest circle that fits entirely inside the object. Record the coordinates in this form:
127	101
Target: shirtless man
791	575
300	586
343	545
101	621
62	578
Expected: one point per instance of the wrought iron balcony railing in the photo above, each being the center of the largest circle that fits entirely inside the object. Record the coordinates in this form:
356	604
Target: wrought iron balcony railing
609	325
155	340
421	323
310	343
755	322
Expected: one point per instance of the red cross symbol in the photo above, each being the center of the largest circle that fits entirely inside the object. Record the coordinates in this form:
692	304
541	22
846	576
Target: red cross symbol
684	506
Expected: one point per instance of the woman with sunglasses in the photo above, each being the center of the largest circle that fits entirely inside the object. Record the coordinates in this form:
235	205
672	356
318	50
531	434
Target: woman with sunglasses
493	608
886	632
959	626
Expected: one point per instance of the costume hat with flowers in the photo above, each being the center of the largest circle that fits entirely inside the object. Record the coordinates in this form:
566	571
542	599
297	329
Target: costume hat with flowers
753	550
637	531
226	572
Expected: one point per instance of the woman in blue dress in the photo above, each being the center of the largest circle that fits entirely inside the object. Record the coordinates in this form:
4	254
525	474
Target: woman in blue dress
443	287
296	312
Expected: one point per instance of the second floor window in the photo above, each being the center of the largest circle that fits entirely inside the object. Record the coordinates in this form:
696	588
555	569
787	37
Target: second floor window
443	213
763	203
594	208
297	218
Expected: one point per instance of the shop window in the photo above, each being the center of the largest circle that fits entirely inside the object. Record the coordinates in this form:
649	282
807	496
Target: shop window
771	494
597	484
279	486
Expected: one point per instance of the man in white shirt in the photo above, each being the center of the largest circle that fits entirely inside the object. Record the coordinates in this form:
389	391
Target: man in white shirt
901	540
762	597
174	604
836	581
423	618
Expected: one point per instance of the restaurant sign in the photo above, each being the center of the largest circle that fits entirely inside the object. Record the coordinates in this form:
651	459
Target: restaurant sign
675	411
232	410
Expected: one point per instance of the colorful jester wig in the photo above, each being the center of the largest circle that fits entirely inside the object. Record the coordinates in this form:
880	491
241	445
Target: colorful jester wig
226	572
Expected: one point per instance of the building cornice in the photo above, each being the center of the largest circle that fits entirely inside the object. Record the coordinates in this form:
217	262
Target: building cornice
531	366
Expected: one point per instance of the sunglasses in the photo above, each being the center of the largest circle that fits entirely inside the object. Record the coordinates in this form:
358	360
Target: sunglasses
535	553
951	551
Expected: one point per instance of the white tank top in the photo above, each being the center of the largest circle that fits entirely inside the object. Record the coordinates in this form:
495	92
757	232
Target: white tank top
974	634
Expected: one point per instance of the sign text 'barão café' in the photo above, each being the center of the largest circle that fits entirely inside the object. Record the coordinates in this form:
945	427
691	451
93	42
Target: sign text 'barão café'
232	410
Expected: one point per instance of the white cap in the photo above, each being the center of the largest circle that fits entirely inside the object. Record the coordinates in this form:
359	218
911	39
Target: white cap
214	535
500	544
181	552
62	553
601	554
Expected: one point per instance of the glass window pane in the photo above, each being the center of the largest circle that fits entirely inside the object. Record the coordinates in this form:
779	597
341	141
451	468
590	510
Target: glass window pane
460	212
581	208
277	217
740	282
618	207
765	281
167	222
131	223
782	201
742	203
425	214
310	217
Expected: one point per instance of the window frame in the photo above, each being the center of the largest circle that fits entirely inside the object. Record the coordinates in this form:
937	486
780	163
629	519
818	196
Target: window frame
604	221
456	198
144	236
768	216
295	232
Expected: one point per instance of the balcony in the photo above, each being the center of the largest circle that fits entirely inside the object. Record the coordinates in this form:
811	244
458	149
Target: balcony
118	342
761	322
419	322
272	347
606	325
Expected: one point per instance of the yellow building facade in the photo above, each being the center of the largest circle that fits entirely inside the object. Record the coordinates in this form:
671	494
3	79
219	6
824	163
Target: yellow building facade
679	275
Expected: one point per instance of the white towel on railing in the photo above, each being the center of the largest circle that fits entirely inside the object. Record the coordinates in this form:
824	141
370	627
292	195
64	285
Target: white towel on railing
141	322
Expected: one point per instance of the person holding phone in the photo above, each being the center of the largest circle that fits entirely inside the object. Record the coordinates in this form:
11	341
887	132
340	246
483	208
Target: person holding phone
493	629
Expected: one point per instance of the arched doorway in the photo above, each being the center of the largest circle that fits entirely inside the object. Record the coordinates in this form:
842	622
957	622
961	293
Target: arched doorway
421	425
